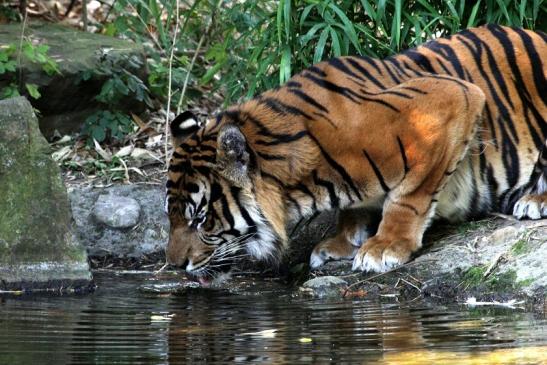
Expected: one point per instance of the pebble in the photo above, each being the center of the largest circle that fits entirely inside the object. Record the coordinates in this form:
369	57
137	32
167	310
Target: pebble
117	211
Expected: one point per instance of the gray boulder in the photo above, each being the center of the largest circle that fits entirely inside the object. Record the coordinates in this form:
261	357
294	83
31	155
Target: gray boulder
123	221
37	245
117	211
67	100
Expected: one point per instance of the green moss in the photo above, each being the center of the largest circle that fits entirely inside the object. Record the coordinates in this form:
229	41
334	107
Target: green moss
474	276
35	221
473	226
502	282
520	247
524	283
499	282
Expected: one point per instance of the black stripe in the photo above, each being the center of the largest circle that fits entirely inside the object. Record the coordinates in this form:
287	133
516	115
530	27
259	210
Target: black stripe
520	86
282	108
317	71
293	84
418	91
206	158
216	192
408	206
266	156
283	138
372	62
409	68
377	172
279	138
476	53
391	74
344	91
338	64
492	62
447	53
387	92
250	223
304	189
334	201
403	154
419	59
380	101
226	213
308	99
365	72
536	63
343	173
321	115
272	177
400	69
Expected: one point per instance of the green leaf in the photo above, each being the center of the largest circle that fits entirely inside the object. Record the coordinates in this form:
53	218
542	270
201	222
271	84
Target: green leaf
471	20
33	90
348	25
335	43
285	65
98	133
320	48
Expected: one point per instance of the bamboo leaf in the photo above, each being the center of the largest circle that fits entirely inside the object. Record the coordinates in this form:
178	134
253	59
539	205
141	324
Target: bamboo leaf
320	48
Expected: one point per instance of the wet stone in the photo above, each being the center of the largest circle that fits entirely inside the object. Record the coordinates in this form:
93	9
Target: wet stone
324	286
117	211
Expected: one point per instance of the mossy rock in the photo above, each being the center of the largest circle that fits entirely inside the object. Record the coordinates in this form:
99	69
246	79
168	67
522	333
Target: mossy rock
66	100
37	246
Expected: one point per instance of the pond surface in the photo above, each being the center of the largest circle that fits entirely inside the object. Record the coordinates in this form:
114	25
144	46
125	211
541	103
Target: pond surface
262	323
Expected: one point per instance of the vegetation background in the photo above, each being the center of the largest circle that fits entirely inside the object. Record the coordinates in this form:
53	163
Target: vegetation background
206	54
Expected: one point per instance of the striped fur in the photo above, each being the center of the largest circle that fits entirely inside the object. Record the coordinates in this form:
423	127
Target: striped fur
451	129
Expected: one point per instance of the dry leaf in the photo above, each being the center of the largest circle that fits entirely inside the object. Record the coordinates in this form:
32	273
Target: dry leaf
107	156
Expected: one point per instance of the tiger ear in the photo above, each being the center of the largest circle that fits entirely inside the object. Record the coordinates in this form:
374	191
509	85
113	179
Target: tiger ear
232	156
183	126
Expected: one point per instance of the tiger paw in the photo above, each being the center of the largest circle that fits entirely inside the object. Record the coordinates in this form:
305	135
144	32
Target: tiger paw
531	206
332	249
381	255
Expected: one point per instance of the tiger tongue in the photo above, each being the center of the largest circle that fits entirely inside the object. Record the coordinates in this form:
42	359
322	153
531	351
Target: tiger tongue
204	282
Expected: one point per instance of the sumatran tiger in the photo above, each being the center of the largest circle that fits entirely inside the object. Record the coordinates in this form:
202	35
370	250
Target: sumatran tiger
454	129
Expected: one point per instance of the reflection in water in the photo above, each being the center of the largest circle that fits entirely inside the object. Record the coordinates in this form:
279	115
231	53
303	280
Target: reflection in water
118	324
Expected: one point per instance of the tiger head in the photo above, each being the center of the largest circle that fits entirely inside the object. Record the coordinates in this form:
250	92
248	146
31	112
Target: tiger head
215	218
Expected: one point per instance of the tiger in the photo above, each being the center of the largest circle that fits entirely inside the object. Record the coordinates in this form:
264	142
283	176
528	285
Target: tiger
453	129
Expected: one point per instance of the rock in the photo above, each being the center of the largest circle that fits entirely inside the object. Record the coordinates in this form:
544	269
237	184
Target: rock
37	246
67	100
324	286
146	224
494	259
117	211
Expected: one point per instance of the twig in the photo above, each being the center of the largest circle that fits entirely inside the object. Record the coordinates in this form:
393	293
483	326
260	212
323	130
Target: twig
84	15
412	285
493	265
154	40
369	279
194	57
20	51
170	81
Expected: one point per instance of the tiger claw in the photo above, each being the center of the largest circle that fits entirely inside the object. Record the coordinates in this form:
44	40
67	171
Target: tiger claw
531	206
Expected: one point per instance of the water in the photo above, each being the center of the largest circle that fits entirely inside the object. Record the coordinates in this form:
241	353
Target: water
261	323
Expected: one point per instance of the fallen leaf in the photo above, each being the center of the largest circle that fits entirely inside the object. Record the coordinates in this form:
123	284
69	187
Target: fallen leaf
107	156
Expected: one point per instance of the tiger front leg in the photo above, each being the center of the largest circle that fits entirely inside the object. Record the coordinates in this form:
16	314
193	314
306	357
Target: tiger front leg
438	134
399	235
